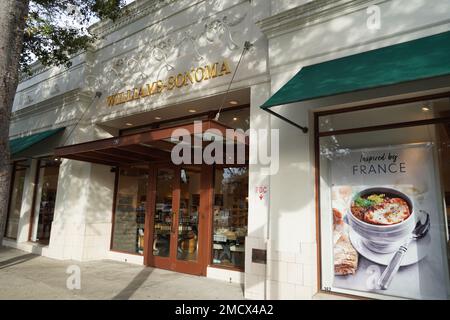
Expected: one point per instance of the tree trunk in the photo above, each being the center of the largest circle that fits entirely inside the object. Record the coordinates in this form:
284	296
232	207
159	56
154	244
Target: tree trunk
12	24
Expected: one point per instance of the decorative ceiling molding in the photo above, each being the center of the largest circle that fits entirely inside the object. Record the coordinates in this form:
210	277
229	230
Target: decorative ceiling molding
311	13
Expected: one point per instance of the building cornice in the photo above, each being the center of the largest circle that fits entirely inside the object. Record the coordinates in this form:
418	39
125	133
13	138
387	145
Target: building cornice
65	99
311	13
38	68
132	12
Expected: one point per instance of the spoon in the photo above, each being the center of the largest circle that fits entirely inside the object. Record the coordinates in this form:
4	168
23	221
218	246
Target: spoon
420	230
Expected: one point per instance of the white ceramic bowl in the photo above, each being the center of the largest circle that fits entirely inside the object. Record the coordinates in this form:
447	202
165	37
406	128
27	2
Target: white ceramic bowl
379	238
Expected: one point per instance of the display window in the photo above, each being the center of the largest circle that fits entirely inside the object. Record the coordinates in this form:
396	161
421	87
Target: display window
15	201
384	181
130	210
230	216
44	199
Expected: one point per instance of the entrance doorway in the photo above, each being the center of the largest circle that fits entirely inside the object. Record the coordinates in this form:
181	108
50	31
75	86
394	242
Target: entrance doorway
44	200
178	217
175	220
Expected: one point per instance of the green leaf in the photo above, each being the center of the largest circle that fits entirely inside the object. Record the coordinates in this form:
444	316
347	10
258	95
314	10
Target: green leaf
365	203
52	41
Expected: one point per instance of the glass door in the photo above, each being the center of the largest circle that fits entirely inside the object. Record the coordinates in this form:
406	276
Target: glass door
45	199
175	195
188	218
165	200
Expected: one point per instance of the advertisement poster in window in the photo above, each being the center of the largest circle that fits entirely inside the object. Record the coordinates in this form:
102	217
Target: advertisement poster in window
389	231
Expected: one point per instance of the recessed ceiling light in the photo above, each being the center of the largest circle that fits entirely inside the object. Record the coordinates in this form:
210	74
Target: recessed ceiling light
158	118
128	124
235	119
425	109
192	110
234	102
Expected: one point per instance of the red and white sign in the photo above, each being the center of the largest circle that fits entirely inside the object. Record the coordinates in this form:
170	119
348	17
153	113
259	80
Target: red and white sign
261	191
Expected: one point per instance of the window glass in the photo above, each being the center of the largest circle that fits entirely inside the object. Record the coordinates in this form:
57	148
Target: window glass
421	110
163	212
384	192
230	216
47	185
188	215
129	216
15	204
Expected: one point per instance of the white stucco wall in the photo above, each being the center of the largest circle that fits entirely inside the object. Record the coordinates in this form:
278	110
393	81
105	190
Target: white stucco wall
297	39
289	35
195	33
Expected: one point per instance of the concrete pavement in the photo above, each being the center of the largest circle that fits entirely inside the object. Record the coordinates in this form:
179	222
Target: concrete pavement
28	276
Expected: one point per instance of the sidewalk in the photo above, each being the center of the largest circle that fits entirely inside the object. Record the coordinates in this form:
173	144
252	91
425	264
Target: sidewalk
28	276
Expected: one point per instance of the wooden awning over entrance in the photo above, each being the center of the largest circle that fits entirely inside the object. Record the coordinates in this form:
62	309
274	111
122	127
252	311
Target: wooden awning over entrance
144	147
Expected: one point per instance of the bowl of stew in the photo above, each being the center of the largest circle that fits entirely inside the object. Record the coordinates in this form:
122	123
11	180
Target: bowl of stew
382	217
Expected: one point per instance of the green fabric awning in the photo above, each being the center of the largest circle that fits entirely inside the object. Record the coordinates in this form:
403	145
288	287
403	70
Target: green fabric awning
414	60
19	144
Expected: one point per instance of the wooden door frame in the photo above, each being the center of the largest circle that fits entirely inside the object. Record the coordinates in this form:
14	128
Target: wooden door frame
204	223
206	214
149	258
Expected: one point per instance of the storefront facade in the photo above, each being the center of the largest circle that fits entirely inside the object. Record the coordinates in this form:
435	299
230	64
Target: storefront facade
97	180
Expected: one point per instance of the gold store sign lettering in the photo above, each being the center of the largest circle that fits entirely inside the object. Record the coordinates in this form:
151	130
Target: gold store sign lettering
195	75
